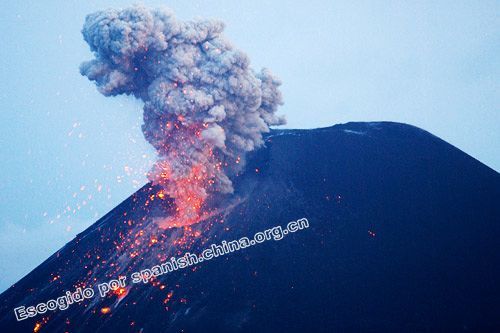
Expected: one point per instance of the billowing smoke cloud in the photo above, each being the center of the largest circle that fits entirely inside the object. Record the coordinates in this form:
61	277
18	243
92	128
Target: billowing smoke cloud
204	107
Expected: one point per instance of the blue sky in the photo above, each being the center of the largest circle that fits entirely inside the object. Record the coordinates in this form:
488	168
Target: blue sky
69	154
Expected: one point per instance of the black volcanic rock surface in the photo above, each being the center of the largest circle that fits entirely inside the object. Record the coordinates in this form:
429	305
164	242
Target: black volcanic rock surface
404	237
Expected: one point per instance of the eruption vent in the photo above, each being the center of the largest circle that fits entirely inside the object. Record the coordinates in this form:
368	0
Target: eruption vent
204	107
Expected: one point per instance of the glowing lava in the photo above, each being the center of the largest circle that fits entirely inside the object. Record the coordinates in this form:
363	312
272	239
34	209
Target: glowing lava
185	180
105	310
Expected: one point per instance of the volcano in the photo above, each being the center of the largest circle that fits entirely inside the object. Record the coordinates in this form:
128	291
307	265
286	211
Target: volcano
403	237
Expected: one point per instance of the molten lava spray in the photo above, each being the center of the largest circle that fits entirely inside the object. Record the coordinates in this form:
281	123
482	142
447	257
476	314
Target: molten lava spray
204	107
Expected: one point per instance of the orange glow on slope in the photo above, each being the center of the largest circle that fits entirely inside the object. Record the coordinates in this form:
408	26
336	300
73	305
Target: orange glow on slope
121	292
189	198
105	310
183	179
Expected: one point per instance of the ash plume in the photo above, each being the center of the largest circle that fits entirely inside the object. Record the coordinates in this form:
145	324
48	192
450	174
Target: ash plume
204	107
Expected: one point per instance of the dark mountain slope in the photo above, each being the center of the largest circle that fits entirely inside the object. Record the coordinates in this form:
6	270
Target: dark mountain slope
403	237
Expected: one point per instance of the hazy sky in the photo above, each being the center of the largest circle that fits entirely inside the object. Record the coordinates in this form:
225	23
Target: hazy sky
69	154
